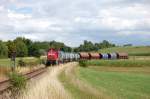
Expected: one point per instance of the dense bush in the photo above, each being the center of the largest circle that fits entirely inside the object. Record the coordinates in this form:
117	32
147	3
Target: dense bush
83	63
21	63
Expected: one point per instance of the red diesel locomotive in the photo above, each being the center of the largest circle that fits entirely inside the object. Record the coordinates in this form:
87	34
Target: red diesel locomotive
52	57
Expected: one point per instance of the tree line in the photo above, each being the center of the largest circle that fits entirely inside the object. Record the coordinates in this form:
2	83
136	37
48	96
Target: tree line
26	47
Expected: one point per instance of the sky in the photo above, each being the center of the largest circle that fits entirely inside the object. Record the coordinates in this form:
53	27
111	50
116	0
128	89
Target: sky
72	21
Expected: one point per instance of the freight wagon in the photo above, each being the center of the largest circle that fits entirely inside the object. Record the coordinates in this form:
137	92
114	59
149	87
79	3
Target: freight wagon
54	57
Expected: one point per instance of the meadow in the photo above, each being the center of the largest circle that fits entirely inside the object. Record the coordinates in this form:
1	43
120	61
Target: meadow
113	79
121	83
29	64
131	50
119	63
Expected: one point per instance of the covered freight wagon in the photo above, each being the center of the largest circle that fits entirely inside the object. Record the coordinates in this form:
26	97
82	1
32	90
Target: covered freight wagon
94	55
122	55
84	55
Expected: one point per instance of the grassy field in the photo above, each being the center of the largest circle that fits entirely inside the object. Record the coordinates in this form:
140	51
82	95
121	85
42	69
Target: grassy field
77	88
6	64
74	89
132	51
119	63
125	79
111	82
116	83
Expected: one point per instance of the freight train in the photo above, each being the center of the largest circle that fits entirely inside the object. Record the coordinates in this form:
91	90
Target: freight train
55	57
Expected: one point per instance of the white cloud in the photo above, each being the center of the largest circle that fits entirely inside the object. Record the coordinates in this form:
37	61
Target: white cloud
74	21
17	16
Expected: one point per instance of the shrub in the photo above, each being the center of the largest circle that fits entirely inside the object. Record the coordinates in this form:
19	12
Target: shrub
21	63
18	83
83	63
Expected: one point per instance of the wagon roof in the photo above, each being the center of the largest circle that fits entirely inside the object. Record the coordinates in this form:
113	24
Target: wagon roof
122	54
84	54
94	54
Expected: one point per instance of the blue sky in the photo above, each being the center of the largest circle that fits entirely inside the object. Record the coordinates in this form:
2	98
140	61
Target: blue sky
72	21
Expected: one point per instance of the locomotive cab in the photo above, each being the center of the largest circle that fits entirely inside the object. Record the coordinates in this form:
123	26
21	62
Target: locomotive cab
52	57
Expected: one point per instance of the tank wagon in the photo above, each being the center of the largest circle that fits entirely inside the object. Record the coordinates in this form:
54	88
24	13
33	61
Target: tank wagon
104	56
112	55
55	56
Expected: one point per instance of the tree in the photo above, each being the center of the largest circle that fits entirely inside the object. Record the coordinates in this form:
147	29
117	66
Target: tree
106	44
3	50
127	45
60	46
21	48
56	45
26	41
88	46
11	47
34	50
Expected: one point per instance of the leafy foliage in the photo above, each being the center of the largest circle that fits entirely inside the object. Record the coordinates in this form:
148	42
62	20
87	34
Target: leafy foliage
21	48
21	63
83	63
11	47
3	50
89	46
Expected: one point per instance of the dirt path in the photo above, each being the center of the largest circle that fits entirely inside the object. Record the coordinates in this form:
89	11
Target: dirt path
83	86
48	87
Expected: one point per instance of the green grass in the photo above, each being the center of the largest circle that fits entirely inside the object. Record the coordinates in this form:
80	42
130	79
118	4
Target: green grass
74	90
132	51
70	87
8	62
120	63
118	84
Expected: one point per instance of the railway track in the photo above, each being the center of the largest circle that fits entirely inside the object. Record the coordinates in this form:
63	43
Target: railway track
5	84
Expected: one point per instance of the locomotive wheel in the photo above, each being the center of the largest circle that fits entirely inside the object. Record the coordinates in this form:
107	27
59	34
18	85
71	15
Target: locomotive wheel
47	63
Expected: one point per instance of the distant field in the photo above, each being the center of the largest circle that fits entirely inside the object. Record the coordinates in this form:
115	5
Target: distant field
8	62
132	51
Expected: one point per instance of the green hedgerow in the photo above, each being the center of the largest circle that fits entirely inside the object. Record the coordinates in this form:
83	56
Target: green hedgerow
83	63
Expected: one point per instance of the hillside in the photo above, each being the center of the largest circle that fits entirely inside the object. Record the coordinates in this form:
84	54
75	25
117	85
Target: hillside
133	51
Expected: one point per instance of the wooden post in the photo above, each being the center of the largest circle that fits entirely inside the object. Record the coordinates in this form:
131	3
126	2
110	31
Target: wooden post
13	58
